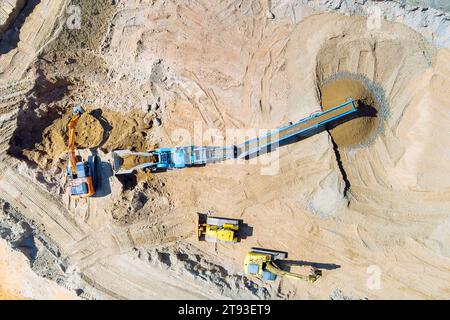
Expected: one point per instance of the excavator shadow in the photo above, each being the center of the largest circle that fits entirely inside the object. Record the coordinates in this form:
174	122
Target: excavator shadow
98	114
362	111
103	174
288	264
245	231
31	120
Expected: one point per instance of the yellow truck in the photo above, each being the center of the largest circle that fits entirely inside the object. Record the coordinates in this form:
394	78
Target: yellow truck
216	229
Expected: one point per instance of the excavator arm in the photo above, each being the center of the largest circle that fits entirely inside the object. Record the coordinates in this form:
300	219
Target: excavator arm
77	112
272	267
261	263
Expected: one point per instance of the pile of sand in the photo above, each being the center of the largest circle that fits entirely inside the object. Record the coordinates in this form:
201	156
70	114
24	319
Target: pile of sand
97	128
362	126
129	162
89	132
18	281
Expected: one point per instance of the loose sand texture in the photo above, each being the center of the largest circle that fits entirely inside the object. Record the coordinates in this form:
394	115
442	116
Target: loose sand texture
371	194
18	281
129	162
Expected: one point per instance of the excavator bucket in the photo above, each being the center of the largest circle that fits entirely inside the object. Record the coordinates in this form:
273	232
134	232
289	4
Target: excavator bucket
77	110
138	160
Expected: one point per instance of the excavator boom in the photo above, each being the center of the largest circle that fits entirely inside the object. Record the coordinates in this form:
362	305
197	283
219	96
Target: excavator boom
272	267
77	112
261	263
81	174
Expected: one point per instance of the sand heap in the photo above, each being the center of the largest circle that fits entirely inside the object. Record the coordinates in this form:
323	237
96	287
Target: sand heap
384	66
96	128
129	162
362	126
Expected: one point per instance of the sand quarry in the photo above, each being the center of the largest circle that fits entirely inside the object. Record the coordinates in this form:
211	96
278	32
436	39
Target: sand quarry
367	197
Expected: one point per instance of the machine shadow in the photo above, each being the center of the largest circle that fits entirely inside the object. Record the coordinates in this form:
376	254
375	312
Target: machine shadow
98	114
32	122
245	231
128	181
103	175
286	264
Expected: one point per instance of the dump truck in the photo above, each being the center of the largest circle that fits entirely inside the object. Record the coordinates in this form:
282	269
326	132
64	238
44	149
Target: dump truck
81	174
262	264
216	229
192	156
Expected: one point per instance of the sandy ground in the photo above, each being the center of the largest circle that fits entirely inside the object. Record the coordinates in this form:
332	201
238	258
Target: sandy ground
18	281
364	201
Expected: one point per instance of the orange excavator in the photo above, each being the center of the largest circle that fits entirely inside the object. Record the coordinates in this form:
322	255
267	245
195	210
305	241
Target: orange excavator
81	175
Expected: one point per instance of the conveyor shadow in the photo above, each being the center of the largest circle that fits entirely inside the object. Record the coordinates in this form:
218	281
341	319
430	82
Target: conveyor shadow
128	181
363	110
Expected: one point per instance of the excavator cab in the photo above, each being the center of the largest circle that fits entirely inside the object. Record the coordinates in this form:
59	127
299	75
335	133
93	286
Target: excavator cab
82	176
256	262
261	263
82	185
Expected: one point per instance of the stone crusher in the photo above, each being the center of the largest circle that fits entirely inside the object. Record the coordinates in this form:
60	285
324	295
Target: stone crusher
169	158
